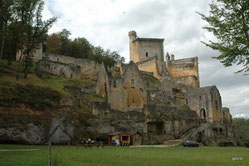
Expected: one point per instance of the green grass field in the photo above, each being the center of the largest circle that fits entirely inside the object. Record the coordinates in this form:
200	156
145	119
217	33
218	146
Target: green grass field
124	156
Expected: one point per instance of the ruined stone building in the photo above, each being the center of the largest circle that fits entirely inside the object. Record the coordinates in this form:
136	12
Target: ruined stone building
150	80
155	94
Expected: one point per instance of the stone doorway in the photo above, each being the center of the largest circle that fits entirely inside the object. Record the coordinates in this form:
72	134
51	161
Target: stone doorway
203	113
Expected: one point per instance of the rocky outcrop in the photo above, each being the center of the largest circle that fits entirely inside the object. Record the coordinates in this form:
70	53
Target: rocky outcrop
157	125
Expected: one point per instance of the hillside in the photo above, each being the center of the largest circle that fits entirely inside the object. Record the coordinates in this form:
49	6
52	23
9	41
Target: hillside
52	90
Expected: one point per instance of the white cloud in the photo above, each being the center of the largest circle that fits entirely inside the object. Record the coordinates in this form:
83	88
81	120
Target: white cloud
241	116
107	23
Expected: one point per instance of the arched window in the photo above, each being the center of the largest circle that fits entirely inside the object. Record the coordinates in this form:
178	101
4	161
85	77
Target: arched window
203	113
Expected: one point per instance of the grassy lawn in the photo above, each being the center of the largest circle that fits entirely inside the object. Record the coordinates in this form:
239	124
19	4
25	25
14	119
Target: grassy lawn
175	156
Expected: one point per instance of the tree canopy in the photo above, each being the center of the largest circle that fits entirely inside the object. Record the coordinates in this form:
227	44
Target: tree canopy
242	129
60	43
229	22
22	28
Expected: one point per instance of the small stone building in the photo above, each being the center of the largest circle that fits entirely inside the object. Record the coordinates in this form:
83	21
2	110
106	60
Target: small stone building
206	101
124	90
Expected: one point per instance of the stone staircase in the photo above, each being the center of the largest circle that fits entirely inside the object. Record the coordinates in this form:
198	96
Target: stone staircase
185	135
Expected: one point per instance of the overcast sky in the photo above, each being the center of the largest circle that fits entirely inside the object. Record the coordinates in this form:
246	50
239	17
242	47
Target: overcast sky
106	23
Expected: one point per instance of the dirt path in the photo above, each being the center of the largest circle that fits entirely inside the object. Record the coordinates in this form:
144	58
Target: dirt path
18	150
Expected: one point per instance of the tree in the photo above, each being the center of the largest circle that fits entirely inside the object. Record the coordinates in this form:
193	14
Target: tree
54	44
59	43
65	42
5	17
29	13
13	41
242	129
229	22
80	48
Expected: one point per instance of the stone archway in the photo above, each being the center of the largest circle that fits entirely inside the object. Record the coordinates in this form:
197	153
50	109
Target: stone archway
203	113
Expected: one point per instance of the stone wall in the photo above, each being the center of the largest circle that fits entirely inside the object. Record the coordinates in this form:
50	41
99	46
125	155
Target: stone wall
206	102
184	67
60	69
227	117
129	91
149	65
37	54
190	80
85	65
103	82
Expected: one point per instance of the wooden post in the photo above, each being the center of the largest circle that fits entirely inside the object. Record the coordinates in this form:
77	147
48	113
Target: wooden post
49	152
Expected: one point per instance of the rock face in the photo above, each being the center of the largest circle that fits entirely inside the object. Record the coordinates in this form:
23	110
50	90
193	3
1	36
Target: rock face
157	125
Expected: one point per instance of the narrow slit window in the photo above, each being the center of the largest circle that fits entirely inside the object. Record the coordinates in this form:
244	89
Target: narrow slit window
132	83
146	54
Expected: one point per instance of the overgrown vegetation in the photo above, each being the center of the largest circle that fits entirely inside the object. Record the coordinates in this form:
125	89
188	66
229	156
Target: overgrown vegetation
242	129
36	97
60	43
22	28
46	92
152	82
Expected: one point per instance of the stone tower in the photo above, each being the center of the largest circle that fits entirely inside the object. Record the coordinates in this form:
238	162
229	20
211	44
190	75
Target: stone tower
133	52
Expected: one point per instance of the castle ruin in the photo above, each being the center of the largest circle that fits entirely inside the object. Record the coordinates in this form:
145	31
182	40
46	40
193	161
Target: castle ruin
176	82
155	94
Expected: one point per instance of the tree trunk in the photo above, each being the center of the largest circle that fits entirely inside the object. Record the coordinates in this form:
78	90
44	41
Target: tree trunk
25	67
3	40
2	46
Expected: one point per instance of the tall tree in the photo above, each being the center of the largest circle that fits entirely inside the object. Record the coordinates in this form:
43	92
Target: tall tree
54	44
229	22
29	12
5	17
65	42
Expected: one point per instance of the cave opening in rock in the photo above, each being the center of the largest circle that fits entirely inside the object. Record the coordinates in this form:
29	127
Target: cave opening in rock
155	128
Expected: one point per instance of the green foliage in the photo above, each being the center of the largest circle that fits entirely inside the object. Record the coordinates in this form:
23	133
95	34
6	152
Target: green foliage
5	18
123	156
59	43
36	97
229	22
22	27
242	128
29	13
